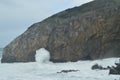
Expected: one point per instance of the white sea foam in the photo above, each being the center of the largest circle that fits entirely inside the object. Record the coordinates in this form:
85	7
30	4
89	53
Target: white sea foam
48	71
42	55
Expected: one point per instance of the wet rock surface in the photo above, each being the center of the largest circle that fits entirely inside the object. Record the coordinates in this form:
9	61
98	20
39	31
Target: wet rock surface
115	70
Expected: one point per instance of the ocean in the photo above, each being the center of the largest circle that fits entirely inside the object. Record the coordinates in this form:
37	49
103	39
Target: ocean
43	69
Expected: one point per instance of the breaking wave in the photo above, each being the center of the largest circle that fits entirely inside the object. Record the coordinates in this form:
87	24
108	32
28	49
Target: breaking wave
42	55
51	71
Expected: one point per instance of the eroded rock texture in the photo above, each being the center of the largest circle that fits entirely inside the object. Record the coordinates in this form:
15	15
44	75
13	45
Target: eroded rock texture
91	31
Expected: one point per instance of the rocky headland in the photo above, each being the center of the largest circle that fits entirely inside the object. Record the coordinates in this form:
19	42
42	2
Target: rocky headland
88	32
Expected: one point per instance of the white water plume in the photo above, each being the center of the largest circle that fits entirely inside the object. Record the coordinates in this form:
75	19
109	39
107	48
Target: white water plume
42	55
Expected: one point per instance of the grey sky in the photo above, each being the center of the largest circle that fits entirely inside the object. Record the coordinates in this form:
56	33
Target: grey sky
17	15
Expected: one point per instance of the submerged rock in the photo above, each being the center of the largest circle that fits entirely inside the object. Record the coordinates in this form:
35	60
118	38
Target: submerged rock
91	31
67	71
99	67
96	66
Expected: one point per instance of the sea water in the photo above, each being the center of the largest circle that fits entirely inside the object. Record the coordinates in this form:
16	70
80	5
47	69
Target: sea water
43	69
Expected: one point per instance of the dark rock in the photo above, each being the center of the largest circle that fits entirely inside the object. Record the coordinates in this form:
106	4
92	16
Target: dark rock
91	31
115	70
67	71
99	67
96	66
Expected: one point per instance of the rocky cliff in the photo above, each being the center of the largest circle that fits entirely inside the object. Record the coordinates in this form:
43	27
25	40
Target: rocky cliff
91	31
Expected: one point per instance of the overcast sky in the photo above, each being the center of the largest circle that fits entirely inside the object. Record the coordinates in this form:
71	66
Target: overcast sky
17	15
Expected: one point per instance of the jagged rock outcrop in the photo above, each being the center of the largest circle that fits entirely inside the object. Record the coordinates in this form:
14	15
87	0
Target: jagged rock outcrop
115	70
91	31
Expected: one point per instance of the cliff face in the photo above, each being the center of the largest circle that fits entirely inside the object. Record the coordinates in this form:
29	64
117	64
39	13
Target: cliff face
91	31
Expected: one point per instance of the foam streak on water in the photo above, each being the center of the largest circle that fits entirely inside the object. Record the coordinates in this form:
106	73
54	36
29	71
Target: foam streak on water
42	69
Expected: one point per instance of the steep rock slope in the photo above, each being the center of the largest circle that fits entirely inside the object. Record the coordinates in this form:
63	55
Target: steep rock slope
91	31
